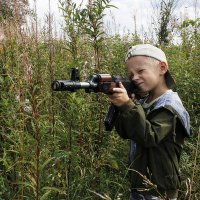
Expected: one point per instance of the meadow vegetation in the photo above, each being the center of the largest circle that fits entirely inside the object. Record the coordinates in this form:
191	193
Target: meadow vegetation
53	144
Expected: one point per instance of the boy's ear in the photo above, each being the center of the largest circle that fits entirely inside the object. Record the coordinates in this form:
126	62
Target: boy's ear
163	67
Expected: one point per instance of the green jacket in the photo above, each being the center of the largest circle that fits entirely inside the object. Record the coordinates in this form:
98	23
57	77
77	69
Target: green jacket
159	137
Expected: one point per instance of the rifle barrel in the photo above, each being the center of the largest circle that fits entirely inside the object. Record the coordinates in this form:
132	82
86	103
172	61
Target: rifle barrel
62	85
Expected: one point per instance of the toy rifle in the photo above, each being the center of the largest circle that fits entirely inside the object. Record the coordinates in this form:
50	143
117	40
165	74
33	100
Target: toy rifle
96	83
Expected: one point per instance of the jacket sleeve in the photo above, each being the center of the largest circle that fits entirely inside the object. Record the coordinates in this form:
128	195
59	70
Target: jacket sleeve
132	123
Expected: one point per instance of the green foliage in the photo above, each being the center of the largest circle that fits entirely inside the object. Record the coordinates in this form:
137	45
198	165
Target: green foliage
53	144
190	22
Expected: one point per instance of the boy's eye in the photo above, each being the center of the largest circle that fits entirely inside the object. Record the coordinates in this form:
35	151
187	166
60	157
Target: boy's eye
140	71
130	76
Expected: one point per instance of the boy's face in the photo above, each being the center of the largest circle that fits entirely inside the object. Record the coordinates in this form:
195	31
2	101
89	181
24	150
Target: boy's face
145	72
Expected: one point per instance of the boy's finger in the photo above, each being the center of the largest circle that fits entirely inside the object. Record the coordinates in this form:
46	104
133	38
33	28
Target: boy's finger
117	90
121	85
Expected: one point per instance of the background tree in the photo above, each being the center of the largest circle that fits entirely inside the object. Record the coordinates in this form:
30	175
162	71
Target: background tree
14	10
163	22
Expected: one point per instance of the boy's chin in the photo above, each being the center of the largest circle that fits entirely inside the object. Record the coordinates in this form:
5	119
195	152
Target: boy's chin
143	89
142	93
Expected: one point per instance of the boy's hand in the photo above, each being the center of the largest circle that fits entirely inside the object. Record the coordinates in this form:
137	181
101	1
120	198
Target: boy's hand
119	96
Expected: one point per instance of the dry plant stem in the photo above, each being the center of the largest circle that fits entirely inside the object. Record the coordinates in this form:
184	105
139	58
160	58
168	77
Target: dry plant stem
195	160
189	189
70	159
36	115
37	136
148	185
51	66
19	89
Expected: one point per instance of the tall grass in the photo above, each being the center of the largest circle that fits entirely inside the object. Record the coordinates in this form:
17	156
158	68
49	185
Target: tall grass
53	145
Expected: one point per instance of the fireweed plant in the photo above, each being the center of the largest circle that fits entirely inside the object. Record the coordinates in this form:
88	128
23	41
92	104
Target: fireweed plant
53	145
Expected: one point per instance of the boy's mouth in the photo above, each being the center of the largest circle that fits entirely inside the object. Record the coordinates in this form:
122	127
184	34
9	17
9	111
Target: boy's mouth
139	84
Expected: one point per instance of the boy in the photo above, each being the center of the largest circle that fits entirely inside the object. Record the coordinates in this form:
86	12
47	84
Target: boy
156	125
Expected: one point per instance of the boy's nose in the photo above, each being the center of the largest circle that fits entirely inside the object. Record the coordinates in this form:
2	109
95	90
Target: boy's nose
135	77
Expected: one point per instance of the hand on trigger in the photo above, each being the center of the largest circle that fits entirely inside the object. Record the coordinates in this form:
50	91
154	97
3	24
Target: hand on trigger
119	96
